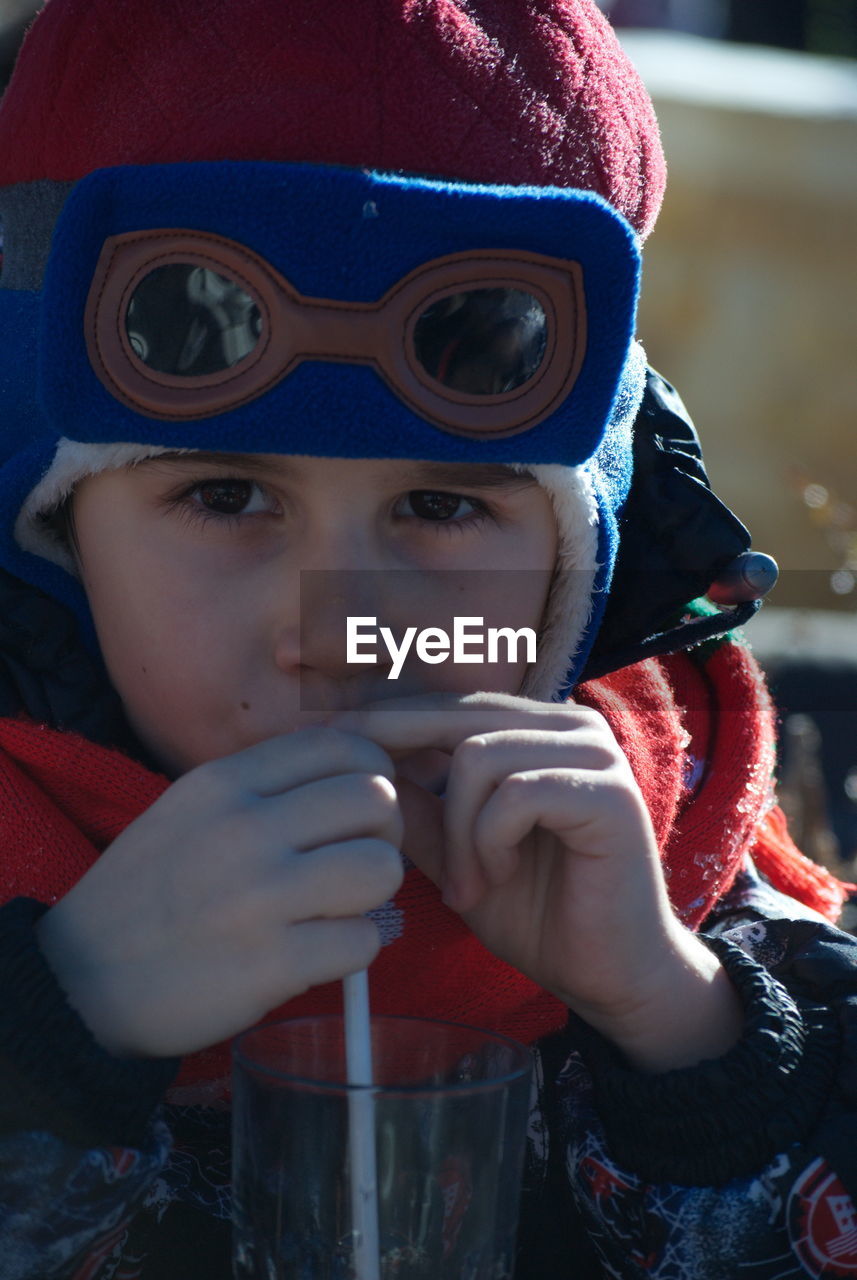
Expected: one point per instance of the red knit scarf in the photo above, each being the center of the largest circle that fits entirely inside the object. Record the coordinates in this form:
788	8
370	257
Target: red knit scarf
699	739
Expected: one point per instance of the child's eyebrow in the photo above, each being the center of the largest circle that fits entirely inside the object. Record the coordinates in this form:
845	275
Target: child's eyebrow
467	475
419	475
216	458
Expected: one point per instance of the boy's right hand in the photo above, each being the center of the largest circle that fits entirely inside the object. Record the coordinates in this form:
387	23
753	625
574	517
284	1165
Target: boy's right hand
243	885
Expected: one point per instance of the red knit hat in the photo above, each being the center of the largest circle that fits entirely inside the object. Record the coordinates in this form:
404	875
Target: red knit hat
531	92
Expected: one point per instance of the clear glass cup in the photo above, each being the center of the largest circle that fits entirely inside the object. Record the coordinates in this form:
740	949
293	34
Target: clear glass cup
451	1105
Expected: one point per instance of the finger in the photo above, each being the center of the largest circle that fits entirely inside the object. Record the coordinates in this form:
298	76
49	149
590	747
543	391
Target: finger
328	811
338	880
427	767
480	765
279	764
444	721
592	816
320	951
423	840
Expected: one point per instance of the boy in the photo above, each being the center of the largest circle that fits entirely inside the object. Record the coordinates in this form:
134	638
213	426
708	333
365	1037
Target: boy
253	391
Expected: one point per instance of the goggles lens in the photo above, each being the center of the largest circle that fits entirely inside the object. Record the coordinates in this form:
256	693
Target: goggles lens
482	342
188	321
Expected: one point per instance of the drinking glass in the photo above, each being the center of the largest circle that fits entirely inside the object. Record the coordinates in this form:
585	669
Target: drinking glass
450	1105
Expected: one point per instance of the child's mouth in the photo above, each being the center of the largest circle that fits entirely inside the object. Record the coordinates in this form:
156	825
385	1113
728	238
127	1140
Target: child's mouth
322	694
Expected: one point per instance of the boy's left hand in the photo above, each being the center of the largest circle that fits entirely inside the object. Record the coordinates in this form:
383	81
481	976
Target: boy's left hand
543	843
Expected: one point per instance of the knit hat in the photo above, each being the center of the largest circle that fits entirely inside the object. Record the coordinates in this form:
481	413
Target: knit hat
290	154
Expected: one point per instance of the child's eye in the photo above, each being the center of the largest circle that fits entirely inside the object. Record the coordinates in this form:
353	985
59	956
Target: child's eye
225	497
429	504
230	497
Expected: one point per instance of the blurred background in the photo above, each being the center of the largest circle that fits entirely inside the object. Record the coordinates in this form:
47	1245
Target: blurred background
750	308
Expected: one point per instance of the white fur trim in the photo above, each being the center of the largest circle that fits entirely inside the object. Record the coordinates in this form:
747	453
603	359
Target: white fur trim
72	461
570	603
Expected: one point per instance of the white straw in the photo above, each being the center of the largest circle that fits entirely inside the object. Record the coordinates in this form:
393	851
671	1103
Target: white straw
361	1127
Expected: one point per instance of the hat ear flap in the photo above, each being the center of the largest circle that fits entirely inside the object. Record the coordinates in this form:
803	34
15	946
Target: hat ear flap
676	539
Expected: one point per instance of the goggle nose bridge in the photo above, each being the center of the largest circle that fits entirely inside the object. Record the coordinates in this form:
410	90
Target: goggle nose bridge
322	330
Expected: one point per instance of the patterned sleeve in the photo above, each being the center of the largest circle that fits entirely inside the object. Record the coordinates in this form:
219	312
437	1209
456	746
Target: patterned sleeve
83	1146
64	1210
741	1166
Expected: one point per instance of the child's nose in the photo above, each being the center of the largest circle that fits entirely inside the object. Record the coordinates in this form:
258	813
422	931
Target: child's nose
319	641
341	538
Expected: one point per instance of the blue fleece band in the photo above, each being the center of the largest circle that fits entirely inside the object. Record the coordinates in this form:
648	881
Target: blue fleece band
611	470
20	316
347	235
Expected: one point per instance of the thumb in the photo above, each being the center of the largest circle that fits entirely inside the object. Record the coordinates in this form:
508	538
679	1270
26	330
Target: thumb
423	841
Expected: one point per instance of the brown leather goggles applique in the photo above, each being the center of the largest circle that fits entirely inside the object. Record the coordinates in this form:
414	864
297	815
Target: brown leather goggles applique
184	324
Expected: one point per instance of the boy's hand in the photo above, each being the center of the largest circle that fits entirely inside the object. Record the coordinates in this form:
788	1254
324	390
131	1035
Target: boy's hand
242	886
543	843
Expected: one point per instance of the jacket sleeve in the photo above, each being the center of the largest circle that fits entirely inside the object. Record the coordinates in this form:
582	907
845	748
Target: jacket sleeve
81	1142
741	1166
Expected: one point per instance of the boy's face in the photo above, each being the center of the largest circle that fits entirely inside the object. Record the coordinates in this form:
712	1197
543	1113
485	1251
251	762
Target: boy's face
215	639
